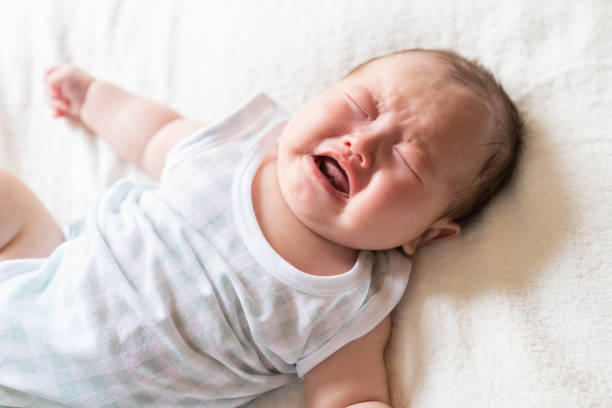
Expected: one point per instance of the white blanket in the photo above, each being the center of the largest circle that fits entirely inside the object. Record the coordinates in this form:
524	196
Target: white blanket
517	311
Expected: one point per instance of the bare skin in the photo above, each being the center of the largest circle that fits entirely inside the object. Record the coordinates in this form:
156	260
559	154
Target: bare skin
27	229
143	132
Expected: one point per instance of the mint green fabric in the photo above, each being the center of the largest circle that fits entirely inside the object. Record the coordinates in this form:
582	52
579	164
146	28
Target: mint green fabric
155	301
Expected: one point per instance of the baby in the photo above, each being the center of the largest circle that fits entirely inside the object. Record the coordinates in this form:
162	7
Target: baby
269	245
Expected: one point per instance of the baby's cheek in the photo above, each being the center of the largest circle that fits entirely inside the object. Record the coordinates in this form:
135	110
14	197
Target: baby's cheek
295	186
300	190
390	204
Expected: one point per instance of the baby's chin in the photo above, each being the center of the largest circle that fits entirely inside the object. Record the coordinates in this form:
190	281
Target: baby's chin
325	221
339	235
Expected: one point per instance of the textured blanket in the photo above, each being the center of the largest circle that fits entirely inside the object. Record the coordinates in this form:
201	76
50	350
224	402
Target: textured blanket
517	312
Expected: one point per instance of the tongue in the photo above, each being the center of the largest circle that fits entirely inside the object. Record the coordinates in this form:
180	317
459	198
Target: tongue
334	173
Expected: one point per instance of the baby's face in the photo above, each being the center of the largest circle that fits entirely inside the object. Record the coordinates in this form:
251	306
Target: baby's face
369	163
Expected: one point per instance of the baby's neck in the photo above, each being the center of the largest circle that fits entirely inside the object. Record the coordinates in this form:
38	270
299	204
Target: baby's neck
291	239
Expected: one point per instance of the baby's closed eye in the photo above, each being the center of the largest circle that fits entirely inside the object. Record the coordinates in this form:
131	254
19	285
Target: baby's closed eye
356	106
403	156
361	101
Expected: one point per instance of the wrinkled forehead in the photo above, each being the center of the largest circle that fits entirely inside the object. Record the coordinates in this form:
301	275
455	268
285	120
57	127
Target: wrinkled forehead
418	85
398	79
449	119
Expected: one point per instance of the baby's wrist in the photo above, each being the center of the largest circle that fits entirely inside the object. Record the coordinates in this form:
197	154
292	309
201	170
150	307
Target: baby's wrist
89	84
89	95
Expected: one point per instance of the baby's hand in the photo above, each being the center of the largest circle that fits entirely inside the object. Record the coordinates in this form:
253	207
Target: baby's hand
67	87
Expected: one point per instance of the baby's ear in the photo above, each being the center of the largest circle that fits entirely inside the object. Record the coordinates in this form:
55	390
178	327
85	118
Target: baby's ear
439	231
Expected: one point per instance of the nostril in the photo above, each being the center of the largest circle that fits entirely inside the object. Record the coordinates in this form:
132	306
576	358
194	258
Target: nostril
359	158
353	151
347	146
365	163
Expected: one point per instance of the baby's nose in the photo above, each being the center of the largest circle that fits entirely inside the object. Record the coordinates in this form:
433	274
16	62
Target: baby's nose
359	146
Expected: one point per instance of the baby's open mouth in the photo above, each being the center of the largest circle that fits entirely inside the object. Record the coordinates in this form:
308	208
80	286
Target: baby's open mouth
335	174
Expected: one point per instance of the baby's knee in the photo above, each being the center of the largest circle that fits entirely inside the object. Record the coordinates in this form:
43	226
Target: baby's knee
8	180
11	221
27	229
14	194
5	176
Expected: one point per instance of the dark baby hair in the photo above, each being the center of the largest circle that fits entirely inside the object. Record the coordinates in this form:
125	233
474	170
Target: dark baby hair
505	145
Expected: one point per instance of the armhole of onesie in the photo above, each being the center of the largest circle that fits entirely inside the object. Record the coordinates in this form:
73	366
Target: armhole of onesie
235	126
369	316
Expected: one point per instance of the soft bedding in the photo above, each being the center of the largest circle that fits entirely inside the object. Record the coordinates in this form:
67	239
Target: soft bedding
517	311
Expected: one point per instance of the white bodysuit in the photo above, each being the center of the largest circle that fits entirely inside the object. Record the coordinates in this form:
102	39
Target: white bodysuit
169	295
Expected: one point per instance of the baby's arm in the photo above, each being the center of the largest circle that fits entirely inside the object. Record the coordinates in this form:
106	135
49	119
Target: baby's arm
139	130
354	376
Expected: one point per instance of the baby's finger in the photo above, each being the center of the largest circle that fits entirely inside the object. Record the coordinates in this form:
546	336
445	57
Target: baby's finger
60	104
50	71
55	75
52	91
58	113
